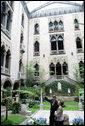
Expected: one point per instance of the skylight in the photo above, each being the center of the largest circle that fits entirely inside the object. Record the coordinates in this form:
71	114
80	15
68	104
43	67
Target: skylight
34	5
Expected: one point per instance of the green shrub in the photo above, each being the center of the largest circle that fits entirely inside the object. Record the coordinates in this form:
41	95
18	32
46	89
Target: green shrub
31	104
16	107
3	103
10	104
23	101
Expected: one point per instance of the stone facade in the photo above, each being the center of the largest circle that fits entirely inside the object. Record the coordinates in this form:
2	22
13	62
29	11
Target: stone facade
71	57
12	42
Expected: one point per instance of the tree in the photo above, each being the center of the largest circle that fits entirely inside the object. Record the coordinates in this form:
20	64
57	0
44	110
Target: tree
79	79
30	74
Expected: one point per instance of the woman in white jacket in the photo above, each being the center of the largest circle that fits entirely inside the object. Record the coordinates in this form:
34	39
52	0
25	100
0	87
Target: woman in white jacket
59	118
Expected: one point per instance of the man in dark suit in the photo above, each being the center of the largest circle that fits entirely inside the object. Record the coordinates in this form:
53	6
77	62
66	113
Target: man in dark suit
54	107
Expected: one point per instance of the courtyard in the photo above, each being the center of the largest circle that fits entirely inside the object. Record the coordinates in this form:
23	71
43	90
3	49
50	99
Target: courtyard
42	62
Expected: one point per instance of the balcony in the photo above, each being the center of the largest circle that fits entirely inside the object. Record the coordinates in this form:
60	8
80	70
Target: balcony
22	75
5	31
36	53
57	52
79	50
56	29
59	77
5	71
22	48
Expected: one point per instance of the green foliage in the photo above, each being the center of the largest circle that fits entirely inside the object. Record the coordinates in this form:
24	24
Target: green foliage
10	104
3	103
34	108
30	72
79	79
16	107
65	86
23	101
31	104
51	72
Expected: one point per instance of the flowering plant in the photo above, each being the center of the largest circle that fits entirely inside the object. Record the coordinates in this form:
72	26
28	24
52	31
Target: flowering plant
42	119
15	102
39	121
78	121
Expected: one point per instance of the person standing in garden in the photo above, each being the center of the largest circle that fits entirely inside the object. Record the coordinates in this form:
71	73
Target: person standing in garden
59	117
54	107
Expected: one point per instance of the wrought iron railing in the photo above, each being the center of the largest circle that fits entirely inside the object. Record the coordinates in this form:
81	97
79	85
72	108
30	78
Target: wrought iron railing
79	50
37	53
56	52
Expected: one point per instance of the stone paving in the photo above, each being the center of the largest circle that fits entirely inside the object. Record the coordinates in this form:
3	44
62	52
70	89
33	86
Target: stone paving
71	114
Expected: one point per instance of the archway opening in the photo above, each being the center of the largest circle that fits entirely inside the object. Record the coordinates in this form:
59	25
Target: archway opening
52	69
58	69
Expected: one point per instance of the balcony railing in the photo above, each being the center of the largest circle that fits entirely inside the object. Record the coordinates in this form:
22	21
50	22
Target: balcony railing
2	69
79	50
36	53
58	29
5	70
5	31
56	52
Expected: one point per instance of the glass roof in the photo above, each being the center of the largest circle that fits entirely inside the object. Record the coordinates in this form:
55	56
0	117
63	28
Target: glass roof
36	5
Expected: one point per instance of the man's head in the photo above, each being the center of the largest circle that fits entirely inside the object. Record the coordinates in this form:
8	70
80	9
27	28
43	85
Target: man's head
54	97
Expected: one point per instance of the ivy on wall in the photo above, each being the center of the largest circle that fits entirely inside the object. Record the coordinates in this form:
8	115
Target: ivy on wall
65	86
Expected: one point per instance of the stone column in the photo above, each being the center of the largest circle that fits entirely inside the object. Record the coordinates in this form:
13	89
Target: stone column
55	70
1	93
62	70
6	15
41	104
4	61
9	67
11	90
19	88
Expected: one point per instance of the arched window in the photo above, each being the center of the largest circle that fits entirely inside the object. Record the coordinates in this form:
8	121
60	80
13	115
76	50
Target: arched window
52	69
60	43
9	16
60	25
3	11
36	70
65	68
58	68
22	23
7	59
78	43
36	29
81	69
50	26
21	38
53	43
2	55
20	65
76	24
36	47
55	25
